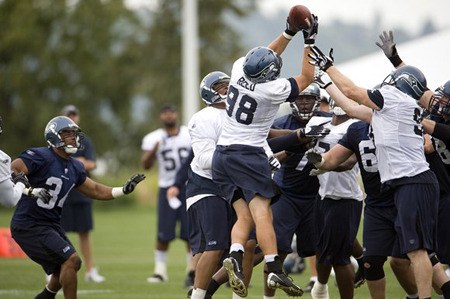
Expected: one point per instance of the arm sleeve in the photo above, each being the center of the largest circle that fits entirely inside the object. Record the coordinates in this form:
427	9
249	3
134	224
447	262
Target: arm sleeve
182	174
285	142
442	132
10	193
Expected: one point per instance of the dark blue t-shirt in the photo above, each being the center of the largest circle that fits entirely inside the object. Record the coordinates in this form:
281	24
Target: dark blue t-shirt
359	142
293	177
47	170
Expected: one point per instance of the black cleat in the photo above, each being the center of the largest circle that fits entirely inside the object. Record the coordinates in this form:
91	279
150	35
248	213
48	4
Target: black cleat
284	282
235	276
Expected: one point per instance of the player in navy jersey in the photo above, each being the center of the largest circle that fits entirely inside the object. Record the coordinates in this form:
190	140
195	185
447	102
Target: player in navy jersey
240	161
169	146
293	212
394	115
12	186
35	225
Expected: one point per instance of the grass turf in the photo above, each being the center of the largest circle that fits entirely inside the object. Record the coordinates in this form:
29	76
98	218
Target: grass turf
123	244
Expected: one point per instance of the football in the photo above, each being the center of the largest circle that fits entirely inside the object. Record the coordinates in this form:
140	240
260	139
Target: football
298	16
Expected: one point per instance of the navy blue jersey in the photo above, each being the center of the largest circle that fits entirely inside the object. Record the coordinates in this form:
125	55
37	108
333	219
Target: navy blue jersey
443	150
293	177
359	142
47	170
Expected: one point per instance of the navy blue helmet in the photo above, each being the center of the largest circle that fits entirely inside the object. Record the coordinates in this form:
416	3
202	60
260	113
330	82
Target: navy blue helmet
262	64
53	131
209	86
409	80
440	101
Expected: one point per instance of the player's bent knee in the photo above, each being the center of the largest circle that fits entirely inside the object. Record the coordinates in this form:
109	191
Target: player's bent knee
373	267
74	261
399	263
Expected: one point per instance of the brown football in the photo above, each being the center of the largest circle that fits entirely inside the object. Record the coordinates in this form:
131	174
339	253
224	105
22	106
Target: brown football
298	16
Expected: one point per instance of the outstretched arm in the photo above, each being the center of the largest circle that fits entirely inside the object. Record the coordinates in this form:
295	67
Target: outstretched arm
390	51
99	191
350	107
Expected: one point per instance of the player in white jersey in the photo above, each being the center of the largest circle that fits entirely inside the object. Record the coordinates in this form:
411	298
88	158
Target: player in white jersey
254	96
169	146
11	189
395	118
209	215
337	212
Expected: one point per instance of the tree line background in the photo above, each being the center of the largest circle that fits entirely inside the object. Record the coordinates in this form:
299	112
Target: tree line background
118	65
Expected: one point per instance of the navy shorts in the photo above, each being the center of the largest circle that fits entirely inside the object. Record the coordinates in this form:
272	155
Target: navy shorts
337	223
417	212
168	218
46	245
242	166
209	224
77	217
379	235
295	215
443	230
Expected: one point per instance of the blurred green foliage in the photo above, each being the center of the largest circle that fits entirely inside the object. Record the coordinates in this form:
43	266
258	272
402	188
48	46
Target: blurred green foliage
116	64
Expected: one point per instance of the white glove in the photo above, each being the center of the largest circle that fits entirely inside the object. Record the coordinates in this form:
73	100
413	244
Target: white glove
38	193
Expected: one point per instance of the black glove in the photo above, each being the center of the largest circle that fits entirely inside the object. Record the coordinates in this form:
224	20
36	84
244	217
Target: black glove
315	158
290	30
321	60
388	46
20	178
129	186
310	34
315	131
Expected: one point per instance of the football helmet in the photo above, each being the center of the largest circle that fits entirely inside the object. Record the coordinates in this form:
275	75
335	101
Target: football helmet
58	125
262	64
440	100
307	102
336	110
208	86
409	80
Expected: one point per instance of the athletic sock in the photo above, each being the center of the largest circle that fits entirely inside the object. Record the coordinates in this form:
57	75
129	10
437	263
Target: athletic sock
212	287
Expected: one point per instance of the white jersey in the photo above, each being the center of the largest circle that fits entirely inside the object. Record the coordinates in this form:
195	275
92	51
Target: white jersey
5	166
251	108
398	136
205	127
9	193
336	185
171	152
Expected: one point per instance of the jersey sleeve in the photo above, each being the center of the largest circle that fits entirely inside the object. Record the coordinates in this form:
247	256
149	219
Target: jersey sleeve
150	140
376	97
33	160
203	141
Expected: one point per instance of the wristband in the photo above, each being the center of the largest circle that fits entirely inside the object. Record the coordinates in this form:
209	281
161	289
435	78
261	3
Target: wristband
287	35
395	60
117	192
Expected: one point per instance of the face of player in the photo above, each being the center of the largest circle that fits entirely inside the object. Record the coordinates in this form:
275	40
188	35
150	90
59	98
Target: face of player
221	88
69	137
305	104
169	118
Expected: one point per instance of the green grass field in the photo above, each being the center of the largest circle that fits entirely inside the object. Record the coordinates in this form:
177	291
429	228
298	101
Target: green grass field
123	249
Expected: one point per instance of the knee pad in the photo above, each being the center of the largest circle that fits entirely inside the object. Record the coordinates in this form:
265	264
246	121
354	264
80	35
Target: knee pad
373	267
433	258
